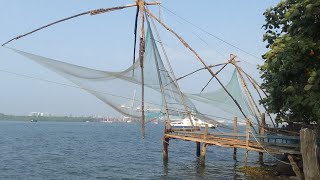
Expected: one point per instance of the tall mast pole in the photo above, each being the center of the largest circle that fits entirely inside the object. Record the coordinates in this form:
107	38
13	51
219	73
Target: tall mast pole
140	3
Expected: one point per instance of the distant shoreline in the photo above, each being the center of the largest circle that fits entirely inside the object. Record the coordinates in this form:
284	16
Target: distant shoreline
4	117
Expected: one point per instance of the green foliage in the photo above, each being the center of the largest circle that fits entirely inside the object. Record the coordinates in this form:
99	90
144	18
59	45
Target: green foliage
291	71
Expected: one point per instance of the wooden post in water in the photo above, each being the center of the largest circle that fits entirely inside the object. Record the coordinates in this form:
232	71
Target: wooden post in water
235	131
247	142
165	143
206	130
203	153
204	146
262	132
140	3
198	149
310	154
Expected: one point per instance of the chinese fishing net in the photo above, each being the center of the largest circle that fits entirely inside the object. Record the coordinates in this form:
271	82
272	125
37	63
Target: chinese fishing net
122	90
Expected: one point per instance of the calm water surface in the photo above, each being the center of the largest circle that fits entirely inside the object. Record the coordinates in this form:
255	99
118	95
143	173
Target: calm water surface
64	150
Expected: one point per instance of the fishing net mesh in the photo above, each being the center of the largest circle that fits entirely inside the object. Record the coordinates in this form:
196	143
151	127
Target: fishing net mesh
122	90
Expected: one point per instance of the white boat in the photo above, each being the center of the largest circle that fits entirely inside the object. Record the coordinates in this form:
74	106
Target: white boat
186	123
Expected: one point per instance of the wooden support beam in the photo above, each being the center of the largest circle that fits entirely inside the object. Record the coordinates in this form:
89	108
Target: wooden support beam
262	132
206	132
203	153
250	99
229	61
247	142
204	146
92	12
140	3
257	88
295	167
165	143
235	131
198	149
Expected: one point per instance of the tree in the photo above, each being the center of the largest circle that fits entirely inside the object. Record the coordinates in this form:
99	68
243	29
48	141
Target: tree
291	71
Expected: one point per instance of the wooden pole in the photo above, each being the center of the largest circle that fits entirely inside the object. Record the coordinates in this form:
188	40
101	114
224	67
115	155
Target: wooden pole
295	167
251	101
262	132
235	131
165	143
203	153
256	86
206	130
92	12
198	149
310	154
204	146
247	142
140	3
229	61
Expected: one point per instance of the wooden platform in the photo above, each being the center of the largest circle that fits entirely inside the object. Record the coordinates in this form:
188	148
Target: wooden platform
239	141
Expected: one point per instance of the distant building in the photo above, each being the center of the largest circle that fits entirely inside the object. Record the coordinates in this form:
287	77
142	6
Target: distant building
39	114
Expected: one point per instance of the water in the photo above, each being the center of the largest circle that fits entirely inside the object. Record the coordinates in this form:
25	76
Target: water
64	150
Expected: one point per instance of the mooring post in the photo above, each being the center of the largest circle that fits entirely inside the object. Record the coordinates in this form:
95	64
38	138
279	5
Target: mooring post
310	152
262	132
165	143
204	146
203	153
206	130
247	142
235	131
198	149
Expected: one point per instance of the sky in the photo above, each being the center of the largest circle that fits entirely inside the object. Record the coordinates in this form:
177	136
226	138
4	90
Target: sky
105	42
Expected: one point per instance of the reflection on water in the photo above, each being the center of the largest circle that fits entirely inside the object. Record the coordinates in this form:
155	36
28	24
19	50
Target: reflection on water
61	150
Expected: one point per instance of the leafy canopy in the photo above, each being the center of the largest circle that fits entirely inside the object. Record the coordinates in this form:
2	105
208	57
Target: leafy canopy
291	71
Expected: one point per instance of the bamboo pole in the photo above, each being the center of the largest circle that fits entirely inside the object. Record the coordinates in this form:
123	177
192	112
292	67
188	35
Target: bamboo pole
247	142
235	131
91	12
140	3
256	86
199	58
231	59
252	103
262	132
135	38
254	81
210	66
203	153
206	132
204	146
